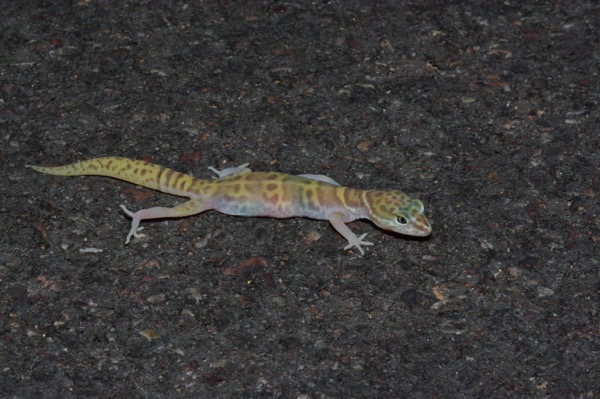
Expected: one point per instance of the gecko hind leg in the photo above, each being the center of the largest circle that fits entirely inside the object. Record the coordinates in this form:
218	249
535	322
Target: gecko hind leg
187	208
230	171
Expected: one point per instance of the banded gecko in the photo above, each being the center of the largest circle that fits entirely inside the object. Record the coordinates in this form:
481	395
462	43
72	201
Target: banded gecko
239	191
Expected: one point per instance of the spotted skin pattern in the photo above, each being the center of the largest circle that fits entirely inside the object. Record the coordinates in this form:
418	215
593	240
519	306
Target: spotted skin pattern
239	191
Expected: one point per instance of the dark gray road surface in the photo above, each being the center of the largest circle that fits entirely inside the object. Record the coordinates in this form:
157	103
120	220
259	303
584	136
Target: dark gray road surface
489	113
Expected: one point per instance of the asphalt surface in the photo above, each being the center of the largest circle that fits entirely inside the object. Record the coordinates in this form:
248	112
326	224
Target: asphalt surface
488	113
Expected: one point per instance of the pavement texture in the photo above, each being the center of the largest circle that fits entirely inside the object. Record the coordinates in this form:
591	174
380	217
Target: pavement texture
486	111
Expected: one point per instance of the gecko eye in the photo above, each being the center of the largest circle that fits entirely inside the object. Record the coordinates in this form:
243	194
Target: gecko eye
402	220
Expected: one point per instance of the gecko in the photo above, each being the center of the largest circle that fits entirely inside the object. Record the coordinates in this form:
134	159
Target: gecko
239	191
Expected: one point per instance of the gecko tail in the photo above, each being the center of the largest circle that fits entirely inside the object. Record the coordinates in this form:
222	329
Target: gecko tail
143	173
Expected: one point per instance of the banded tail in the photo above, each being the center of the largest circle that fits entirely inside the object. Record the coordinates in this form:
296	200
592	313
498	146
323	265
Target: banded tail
145	174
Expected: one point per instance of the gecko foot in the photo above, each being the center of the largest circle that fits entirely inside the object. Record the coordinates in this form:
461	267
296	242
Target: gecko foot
135	225
359	241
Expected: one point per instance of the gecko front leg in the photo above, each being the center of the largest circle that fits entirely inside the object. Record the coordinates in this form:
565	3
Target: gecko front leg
337	221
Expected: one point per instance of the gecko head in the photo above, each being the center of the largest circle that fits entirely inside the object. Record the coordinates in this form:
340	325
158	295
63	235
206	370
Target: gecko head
397	212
